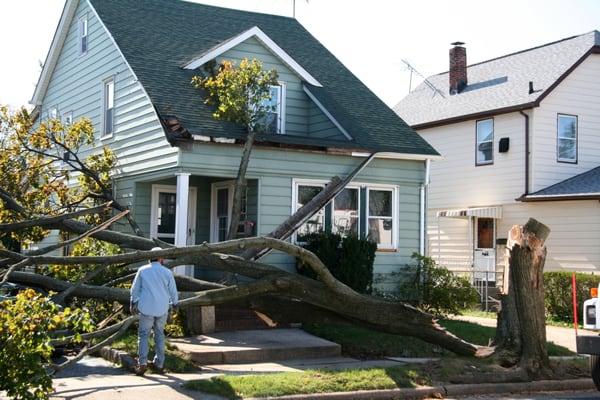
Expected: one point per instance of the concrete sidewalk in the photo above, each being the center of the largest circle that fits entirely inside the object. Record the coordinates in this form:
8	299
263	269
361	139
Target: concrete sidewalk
95	378
561	336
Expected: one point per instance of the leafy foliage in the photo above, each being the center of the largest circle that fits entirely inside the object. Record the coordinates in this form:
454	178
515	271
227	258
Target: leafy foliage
25	326
558	296
349	259
39	165
439	291
239	92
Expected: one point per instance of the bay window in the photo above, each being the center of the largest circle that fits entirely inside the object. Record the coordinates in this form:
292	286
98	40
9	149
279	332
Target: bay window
365	211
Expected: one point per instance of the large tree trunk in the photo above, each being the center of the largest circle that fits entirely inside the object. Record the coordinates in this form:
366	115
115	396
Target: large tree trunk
240	186
522	324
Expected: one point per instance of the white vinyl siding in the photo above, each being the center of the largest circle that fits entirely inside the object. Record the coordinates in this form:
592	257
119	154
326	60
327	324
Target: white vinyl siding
578	94
456	182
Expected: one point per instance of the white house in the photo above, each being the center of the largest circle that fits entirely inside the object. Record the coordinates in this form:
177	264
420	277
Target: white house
520	137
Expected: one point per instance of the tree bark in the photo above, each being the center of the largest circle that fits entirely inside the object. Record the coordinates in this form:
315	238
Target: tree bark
291	225
523	323
240	186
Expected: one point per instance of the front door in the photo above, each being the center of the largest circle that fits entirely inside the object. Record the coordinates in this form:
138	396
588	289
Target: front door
163	209
484	257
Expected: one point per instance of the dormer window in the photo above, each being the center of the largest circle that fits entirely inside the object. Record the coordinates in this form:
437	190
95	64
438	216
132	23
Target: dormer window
274	119
83	35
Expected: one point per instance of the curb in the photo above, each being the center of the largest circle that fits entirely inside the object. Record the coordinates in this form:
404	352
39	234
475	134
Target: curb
118	357
448	390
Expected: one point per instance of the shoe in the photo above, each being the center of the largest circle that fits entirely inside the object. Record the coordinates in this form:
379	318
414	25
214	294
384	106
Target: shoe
140	370
155	368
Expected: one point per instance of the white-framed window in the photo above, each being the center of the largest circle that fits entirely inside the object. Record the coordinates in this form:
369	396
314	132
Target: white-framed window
274	119
53	112
345	214
566	142
303	194
68	118
381	216
108	100
484	137
83	35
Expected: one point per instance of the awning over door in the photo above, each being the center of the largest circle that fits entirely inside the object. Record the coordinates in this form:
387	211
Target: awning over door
481	212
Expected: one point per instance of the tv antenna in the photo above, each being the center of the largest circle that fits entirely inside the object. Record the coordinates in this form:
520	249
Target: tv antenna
426	81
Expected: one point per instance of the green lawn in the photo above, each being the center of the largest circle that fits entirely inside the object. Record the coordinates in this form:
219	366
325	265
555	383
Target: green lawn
364	343
323	381
175	361
493	315
311	381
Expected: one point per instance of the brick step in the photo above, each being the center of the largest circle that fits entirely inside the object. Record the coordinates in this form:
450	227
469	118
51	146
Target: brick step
228	318
238	347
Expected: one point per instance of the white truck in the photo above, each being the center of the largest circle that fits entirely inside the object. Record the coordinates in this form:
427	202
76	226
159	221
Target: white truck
590	344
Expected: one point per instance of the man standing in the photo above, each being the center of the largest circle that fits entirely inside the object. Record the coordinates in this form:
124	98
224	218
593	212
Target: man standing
152	292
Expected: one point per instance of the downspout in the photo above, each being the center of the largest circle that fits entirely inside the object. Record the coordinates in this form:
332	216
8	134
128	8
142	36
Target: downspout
526	152
423	208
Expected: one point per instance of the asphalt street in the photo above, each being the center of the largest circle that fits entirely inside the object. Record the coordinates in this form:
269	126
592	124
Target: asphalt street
587	395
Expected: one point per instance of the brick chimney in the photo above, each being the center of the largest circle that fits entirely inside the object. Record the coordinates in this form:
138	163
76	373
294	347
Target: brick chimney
458	67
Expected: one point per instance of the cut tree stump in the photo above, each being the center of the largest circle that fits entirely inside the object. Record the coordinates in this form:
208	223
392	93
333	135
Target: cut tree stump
521	329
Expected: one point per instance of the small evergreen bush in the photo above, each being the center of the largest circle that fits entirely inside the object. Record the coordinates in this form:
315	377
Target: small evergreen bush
558	294
349	259
438	290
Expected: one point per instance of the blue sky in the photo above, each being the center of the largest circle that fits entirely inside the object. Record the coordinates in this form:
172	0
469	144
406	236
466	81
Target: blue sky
370	37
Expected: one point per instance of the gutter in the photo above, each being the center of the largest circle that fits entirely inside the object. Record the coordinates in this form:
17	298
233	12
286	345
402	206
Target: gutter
558	197
423	209
526	116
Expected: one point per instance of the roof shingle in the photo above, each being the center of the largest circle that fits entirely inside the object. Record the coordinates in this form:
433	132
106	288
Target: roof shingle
496	84
157	37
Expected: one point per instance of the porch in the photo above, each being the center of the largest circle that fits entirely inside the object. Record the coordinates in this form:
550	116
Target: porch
467	242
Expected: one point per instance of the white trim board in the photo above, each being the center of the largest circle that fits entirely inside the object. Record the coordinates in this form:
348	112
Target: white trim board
265	40
327	113
192	204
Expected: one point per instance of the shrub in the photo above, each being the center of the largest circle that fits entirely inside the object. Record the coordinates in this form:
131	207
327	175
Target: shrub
349	259
558	295
440	292
25	326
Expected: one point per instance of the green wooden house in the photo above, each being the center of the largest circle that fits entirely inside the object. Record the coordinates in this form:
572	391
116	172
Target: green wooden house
127	65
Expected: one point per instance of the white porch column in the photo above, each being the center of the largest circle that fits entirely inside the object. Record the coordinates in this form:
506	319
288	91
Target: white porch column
181	217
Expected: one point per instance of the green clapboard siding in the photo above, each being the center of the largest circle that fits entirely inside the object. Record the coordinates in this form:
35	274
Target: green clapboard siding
275	169
302	116
76	87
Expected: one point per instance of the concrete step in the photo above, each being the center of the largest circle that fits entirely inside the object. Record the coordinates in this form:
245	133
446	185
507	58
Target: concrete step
251	346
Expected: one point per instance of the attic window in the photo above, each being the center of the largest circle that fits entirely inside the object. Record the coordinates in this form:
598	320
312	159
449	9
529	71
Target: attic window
83	35
274	119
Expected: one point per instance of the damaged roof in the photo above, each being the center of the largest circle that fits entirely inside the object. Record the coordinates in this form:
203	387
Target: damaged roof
497	85
158	37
